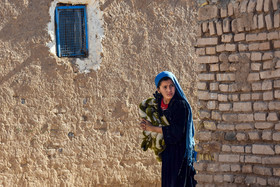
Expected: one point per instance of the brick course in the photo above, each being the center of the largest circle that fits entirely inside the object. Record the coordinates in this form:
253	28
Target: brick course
263	149
276	20
207	41
267	5
228	158
208	12
242	106
207	59
251	6
239	91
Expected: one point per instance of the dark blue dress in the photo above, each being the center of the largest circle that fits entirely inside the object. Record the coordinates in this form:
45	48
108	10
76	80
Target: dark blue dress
175	171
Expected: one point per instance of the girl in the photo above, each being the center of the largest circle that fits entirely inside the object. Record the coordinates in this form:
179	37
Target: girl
178	155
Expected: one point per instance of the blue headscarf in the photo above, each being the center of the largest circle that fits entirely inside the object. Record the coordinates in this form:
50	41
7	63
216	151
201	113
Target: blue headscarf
189	154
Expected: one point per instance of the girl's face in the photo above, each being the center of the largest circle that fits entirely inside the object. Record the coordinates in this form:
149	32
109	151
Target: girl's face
167	89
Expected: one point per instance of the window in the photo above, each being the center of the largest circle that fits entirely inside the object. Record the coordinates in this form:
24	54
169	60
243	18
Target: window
71	31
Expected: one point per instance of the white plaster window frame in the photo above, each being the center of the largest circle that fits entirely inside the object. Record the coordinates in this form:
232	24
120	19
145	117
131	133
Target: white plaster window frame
95	34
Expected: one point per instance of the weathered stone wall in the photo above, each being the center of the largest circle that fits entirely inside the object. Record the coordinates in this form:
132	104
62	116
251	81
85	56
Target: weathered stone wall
60	127
239	80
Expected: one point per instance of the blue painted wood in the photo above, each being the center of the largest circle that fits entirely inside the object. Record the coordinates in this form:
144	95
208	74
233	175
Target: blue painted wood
71	31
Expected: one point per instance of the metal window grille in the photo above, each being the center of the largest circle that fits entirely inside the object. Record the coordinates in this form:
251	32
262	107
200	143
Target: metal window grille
71	31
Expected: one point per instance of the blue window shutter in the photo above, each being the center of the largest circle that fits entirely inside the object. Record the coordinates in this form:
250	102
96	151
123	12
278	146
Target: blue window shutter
71	31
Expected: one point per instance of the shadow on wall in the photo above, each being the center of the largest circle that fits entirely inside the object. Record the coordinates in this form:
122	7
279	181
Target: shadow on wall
36	52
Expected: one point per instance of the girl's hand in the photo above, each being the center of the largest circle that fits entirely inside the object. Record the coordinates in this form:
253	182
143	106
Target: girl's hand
145	125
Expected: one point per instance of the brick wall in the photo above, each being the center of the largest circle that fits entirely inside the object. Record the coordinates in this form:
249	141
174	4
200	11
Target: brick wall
238	48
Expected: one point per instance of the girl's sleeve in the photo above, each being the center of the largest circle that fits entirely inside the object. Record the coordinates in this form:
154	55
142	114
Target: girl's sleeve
174	133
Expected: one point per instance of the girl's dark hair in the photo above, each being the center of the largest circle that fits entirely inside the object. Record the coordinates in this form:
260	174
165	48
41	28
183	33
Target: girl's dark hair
163	79
158	96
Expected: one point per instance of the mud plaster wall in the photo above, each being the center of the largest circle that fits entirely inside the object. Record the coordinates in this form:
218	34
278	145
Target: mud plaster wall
60	127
